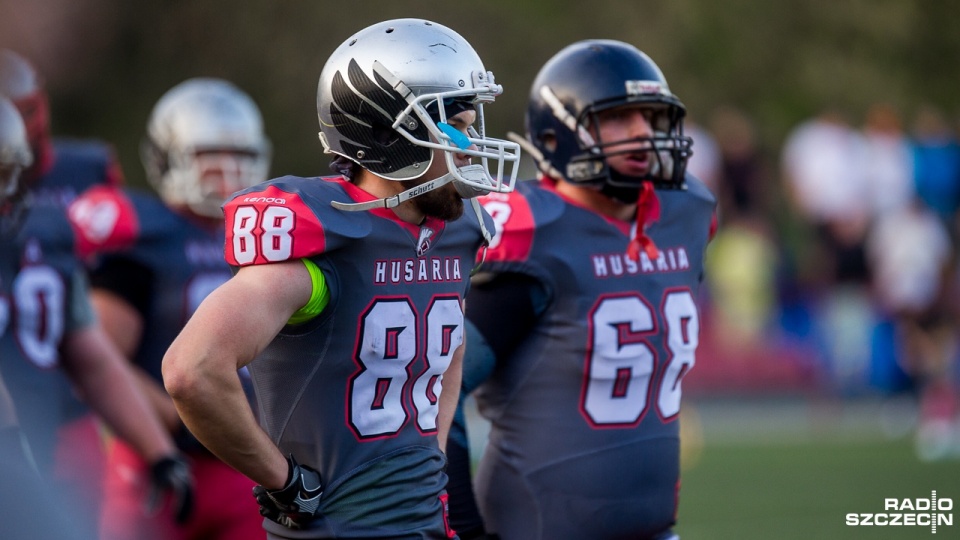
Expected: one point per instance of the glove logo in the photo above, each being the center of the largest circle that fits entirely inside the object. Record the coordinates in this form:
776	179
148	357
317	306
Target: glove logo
296	503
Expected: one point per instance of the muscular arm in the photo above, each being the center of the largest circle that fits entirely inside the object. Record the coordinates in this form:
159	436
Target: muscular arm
450	395
232	325
519	296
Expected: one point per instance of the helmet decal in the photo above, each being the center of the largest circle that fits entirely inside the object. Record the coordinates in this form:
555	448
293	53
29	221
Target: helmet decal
364	111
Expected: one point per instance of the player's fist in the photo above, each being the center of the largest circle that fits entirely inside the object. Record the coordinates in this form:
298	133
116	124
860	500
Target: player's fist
171	476
296	503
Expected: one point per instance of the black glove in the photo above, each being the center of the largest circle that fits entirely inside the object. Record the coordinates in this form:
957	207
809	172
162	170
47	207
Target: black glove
171	475
296	503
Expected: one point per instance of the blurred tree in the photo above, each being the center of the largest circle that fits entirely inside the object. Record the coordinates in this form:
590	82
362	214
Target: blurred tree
107	61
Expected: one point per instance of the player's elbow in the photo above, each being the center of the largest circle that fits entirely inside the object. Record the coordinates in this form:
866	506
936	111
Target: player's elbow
181	378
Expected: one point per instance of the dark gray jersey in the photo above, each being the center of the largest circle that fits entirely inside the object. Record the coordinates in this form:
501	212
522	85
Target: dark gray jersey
42	299
354	393
585	437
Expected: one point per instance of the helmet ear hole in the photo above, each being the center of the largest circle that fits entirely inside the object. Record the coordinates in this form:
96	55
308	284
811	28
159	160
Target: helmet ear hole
548	141
154	159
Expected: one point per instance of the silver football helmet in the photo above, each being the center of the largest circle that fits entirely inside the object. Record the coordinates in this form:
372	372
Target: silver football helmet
15	154
383	101
200	125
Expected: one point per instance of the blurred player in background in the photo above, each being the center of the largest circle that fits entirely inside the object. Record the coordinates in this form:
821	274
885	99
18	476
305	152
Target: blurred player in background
157	258
48	323
352	321
62	167
584	316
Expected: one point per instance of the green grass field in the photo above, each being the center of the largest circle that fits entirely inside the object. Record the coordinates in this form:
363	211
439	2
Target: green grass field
790	483
793	468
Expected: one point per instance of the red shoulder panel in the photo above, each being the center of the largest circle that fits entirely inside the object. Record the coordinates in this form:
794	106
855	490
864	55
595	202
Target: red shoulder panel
269	226
103	219
514	221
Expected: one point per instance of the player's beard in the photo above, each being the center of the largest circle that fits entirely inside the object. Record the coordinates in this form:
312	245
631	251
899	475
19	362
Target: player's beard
442	203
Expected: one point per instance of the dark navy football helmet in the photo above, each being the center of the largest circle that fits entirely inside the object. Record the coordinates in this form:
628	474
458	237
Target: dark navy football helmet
584	79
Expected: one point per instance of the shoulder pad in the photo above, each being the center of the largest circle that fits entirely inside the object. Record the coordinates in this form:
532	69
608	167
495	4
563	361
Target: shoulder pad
104	219
288	218
517	216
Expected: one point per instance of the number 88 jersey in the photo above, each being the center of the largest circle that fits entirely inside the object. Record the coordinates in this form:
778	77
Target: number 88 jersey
354	392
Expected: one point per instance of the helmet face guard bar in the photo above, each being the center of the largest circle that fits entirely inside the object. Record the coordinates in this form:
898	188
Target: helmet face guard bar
666	151
452	141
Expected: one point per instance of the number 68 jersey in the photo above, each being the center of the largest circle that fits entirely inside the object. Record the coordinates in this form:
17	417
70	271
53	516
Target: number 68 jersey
584	438
354	392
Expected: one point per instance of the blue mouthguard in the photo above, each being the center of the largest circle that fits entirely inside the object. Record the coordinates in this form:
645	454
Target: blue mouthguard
457	137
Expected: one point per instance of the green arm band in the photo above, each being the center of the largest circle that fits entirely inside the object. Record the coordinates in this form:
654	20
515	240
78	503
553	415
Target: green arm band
318	298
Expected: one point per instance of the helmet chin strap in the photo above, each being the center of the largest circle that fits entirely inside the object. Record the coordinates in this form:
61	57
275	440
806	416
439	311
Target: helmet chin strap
396	200
465	191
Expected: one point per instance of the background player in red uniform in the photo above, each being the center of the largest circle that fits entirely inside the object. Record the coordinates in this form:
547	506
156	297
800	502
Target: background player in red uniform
600	275
158	258
351	322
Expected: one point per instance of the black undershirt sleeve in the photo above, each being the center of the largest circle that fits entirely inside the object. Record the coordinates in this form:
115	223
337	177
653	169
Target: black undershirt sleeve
130	280
504	309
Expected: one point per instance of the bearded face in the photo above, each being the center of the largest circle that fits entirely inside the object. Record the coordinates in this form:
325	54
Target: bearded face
442	203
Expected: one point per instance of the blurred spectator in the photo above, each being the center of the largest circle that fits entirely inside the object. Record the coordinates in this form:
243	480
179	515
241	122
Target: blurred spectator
705	162
743	256
936	161
889	159
741	262
745	187
824	169
910	253
826	174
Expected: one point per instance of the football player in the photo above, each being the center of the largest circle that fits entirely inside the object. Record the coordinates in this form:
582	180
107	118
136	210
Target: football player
15	156
157	258
598	262
48	323
62	167
348	302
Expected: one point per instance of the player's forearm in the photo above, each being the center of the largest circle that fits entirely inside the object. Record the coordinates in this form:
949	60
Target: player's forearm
200	372
214	408
449	397
108	385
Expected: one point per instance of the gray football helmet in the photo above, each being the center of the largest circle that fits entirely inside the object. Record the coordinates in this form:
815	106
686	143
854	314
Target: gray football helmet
200	123
383	101
15	154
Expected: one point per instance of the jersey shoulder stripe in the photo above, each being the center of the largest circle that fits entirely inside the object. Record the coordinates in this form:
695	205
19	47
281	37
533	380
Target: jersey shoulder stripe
517	217
289	218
